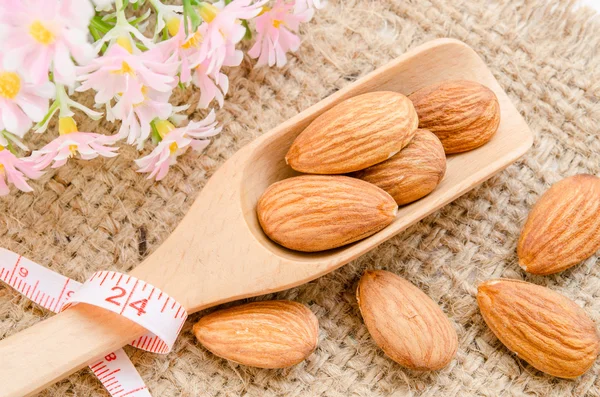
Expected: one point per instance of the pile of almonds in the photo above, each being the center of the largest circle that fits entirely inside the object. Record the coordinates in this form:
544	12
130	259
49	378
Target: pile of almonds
373	140
369	154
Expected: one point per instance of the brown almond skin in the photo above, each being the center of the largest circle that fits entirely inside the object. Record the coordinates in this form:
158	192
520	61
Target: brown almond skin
563	228
355	134
404	322
543	327
316	212
412	173
267	334
463	114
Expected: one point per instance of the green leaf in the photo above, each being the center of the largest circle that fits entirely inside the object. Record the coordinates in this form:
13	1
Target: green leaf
101	26
94	32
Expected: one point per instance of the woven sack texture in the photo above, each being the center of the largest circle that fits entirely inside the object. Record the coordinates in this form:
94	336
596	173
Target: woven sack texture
101	214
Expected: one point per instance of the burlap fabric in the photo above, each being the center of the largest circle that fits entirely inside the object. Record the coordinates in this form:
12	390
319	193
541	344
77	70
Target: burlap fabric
103	215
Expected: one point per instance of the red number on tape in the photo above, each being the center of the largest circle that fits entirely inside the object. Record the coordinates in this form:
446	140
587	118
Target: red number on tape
111	357
139	306
70	293
121	294
23	272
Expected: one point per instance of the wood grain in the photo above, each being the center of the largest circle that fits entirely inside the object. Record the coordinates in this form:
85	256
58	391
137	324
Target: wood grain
219	253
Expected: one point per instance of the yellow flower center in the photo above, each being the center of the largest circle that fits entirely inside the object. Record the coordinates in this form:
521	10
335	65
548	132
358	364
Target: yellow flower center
207	11
73	150
263	10
173	148
10	84
193	41
125	69
67	125
144	93
40	33
125	42
173	26
277	23
163	127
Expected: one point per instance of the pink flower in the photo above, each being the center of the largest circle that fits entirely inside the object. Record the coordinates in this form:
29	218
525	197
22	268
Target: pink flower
46	35
21	101
303	5
222	30
119	71
213	86
69	143
14	170
175	142
183	48
274	28
137	112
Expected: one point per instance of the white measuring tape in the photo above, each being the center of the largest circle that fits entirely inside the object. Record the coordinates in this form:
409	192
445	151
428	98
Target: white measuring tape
135	299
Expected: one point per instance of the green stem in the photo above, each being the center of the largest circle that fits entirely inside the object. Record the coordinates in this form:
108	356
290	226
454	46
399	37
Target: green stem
157	4
48	115
63	100
139	19
121	17
189	13
141	46
155	135
11	148
248	34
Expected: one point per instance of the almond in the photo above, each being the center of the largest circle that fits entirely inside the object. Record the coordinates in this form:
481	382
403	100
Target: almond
463	114
412	173
314	213
355	134
268	334
563	227
543	327
404	322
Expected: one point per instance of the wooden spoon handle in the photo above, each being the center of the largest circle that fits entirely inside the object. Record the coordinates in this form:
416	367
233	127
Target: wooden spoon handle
54	348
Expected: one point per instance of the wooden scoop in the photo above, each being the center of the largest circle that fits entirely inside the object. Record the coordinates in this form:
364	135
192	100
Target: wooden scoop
219	253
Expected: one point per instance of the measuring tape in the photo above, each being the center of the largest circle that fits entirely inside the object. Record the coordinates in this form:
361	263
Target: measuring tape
128	296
